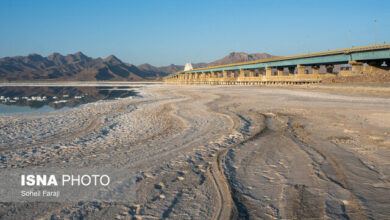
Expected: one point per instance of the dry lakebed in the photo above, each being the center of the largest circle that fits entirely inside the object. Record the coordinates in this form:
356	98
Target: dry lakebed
215	152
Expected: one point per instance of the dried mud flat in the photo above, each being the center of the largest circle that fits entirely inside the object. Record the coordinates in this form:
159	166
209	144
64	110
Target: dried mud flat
209	152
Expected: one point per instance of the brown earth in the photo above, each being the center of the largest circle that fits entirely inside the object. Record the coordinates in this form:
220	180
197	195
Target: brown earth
363	78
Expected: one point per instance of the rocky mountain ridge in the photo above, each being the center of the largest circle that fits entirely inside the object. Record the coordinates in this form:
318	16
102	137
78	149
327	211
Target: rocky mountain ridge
233	57
79	67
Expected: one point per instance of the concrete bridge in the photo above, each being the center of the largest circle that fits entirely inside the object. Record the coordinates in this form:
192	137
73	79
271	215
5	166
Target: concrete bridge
291	69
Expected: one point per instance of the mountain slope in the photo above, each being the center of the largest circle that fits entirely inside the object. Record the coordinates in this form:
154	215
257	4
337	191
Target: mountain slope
81	67
70	67
240	57
231	58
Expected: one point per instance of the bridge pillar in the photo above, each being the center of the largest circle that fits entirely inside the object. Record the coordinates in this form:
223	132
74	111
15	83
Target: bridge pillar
224	74
242	73
251	73
280	71
314	70
212	74
232	74
301	69
357	67
261	72
268	72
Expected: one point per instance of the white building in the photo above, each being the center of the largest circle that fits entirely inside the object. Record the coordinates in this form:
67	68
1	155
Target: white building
188	66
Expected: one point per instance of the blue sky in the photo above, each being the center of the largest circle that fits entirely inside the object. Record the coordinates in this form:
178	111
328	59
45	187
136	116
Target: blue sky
161	32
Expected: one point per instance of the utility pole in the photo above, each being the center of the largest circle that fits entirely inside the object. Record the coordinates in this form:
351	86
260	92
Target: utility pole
375	30
349	39
307	43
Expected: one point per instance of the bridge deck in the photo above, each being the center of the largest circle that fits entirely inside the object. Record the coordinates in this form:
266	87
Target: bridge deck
341	56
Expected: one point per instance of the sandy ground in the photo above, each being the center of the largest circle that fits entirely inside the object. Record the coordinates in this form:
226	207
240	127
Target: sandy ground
215	152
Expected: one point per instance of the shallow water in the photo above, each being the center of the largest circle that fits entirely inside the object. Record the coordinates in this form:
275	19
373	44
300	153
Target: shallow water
13	109
25	99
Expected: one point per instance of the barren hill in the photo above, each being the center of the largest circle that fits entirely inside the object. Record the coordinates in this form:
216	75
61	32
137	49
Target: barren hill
81	67
231	58
70	67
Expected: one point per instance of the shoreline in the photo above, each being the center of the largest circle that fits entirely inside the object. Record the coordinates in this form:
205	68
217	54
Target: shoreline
76	83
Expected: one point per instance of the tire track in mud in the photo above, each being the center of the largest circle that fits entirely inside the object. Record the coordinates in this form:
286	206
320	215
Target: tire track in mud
242	211
231	202
224	201
168	110
166	113
288	131
225	206
340	180
230	205
226	209
239	210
